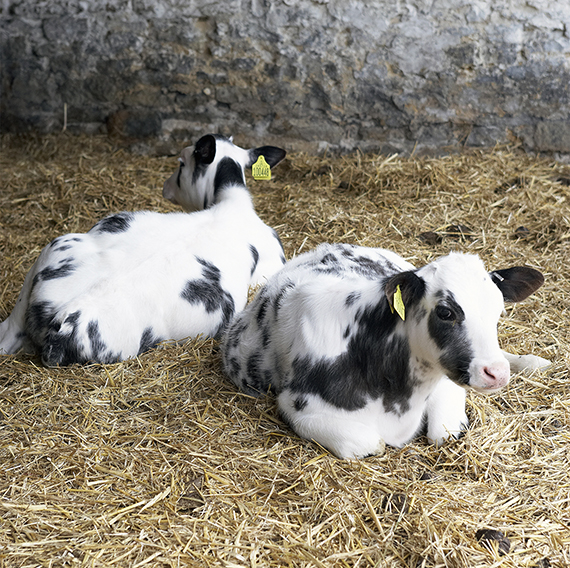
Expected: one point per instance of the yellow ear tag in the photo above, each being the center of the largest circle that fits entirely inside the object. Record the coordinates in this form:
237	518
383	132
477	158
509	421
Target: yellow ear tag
399	303
261	169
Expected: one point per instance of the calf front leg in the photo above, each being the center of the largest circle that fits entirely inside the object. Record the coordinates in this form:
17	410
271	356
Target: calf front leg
445	412
347	434
527	363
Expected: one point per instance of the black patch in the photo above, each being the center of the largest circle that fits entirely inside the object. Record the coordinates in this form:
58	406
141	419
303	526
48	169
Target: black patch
262	311
234	334
278	300
369	268
412	287
118	223
65	349
346	332
518	282
63	248
179	174
352	298
65	268
255	377
329	259
59	348
71	319
205	148
346	250
299	403
255	256
38	317
272	155
209	292
96	342
148	341
265	336
204	154
199	171
451	337
357	264
228	172
375	364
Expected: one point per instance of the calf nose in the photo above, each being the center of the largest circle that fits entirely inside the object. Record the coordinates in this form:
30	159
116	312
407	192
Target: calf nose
168	192
495	376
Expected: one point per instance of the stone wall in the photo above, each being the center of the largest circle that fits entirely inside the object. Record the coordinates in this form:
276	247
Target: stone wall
392	75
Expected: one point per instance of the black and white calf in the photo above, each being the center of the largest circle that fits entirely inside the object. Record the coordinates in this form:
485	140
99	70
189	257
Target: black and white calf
349	372
136	279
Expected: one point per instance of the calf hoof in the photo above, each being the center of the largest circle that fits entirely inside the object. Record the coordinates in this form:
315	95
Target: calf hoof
440	433
356	452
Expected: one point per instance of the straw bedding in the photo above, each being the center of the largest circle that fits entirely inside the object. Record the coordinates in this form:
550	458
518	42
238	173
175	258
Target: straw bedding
159	461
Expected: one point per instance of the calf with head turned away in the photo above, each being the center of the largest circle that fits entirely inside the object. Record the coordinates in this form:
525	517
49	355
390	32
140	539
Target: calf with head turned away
136	279
363	349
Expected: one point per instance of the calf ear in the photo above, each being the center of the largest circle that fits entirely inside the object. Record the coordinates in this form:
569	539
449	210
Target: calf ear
518	282
411	286
272	155
205	149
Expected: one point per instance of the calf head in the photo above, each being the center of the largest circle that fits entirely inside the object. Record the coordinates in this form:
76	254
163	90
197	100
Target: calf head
452	310
213	162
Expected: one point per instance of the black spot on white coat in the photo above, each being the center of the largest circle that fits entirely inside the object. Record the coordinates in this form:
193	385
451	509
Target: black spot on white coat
209	292
62	348
148	340
228	173
65	268
375	364
117	223
255	257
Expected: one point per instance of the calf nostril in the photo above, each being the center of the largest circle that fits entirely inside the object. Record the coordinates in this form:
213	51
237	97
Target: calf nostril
489	373
495	376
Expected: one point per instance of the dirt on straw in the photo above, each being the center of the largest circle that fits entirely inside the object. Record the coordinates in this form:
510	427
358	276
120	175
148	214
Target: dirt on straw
160	461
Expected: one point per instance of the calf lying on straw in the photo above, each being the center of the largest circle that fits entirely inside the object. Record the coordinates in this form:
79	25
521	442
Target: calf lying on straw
136	279
362	348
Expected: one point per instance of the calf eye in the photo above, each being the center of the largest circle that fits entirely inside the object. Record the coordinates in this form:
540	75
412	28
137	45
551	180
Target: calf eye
444	313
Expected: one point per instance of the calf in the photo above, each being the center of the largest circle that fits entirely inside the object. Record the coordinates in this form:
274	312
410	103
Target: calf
362	348
136	279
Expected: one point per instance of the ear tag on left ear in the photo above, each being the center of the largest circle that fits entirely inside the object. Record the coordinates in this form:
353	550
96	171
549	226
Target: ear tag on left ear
261	169
399	303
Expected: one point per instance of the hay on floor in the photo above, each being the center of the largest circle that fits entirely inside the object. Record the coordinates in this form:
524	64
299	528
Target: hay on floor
160	461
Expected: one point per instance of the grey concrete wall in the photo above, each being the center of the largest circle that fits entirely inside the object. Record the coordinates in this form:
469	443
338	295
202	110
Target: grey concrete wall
375	74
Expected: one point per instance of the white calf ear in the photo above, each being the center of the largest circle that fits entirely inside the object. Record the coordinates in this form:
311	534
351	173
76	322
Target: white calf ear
518	282
272	155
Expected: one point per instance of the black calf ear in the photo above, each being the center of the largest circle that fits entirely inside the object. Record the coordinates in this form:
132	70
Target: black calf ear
518	282
272	155
205	149
412	289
